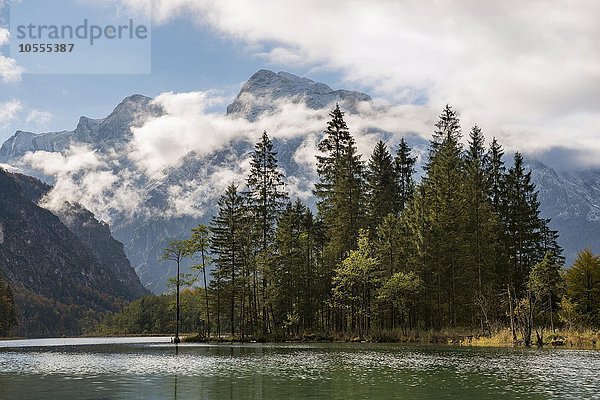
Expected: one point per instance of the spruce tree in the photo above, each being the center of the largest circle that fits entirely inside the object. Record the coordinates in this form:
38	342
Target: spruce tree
227	244
444	192
404	167
382	187
447	131
333	148
294	272
266	199
266	194
340	190
522	225
481	228
495	174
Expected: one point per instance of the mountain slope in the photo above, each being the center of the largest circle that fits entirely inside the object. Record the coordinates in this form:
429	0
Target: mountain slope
570	200
260	93
112	131
57	279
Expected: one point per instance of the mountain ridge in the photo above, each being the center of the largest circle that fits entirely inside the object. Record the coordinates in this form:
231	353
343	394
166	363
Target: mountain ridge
58	280
571	201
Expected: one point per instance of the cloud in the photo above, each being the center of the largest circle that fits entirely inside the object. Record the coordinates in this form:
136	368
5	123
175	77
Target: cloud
215	149
9	168
4	34
39	118
10	71
187	133
187	126
84	176
529	73
9	110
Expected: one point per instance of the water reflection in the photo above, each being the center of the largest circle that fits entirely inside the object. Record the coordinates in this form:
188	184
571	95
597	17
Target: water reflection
175	385
336	371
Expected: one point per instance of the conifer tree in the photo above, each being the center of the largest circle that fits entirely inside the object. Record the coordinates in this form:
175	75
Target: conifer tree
545	283
495	174
227	244
404	166
444	192
266	194
333	148
266	199
176	251
447	131
522	224
382	187
340	187
482	222
294	273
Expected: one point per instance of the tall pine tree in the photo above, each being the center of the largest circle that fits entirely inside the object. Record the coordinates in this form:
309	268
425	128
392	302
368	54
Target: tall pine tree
227	244
382	187
340	189
444	190
404	167
522	224
266	200
481	235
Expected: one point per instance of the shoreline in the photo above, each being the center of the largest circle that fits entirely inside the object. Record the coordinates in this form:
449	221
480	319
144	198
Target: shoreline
576	340
503	339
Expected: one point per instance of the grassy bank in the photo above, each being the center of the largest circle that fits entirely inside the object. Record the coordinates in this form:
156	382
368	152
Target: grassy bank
580	339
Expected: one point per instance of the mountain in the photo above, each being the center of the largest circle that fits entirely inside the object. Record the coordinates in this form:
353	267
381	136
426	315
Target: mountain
260	93
93	234
114	130
61	278
571	200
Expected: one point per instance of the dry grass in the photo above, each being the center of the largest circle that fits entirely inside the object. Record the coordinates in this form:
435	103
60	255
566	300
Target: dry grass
573	338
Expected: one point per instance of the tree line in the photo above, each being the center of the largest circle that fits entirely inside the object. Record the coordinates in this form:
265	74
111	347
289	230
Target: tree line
8	316
463	247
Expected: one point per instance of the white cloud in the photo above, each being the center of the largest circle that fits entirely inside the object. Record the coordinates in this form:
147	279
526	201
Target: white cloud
10	71
9	110
39	119
528	72
4	34
9	168
84	176
187	127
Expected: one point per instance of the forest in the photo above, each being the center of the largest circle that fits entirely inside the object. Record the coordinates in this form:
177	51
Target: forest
8	315
382	254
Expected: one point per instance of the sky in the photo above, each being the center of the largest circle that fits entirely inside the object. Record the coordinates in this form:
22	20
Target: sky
526	72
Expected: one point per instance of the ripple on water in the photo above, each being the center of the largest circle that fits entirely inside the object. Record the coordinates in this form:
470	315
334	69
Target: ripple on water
360	369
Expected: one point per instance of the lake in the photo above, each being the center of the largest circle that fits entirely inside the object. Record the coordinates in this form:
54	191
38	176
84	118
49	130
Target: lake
149	368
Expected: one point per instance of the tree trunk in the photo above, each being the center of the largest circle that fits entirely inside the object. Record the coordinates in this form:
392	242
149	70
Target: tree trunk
551	317
206	295
512	315
177	307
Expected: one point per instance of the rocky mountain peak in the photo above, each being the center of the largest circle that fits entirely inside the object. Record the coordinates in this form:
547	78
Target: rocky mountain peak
261	92
107	132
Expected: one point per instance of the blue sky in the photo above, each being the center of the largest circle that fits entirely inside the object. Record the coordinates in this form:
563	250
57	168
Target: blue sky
526	72
185	57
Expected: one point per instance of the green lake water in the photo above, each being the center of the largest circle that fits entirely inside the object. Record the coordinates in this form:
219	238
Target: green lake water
150	368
